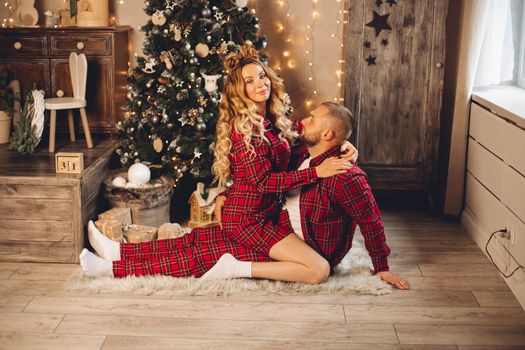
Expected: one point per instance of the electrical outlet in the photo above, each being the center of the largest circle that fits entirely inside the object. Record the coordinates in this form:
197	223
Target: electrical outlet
513	232
506	234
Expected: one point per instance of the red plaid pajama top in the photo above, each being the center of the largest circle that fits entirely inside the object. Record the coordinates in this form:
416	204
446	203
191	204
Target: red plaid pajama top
332	207
252	215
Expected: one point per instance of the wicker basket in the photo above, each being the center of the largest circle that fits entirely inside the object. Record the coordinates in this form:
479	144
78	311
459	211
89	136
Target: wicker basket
149	206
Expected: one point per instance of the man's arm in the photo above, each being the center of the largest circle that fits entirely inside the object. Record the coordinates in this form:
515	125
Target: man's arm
356	198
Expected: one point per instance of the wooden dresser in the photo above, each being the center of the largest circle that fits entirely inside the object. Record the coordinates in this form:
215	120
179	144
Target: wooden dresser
41	56
495	181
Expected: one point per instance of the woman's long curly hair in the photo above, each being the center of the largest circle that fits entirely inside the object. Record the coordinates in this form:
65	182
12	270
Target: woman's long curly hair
237	111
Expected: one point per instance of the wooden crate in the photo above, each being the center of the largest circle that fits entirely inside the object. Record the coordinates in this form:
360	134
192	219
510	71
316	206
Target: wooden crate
43	215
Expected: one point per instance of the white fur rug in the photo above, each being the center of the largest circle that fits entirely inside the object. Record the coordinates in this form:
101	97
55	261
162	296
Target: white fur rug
352	276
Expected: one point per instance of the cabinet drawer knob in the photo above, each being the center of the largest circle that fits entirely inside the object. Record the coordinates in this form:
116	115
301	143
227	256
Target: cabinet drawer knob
18	45
439	65
80	45
60	93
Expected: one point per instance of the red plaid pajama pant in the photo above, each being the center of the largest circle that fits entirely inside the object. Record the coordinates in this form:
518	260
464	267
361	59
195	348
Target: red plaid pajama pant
190	255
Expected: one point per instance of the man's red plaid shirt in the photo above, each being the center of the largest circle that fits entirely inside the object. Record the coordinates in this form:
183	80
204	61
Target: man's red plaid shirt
332	207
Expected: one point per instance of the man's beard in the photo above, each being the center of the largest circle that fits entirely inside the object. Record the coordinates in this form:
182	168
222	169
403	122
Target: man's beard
311	140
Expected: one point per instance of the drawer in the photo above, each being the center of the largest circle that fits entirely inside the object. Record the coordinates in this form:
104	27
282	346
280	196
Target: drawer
88	44
504	139
488	129
503	181
486	167
514	155
23	45
494	216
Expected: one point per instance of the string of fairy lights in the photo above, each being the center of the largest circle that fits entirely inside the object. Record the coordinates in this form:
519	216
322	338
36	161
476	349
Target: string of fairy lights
311	36
10	6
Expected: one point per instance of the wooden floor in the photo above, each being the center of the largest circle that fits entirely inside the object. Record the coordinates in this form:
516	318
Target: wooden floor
457	301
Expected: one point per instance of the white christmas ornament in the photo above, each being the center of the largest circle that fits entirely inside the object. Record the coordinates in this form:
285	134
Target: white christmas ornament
139	174
149	66
241	3
211	82
119	181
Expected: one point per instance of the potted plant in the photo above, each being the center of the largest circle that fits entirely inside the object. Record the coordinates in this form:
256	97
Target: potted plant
7	102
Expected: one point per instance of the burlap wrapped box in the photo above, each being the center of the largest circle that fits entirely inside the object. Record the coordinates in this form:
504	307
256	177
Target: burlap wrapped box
149	206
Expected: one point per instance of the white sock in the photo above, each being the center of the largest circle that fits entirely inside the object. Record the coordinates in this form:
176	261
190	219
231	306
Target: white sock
228	267
94	266
105	247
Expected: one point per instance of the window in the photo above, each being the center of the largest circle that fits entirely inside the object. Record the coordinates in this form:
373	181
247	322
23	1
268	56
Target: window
501	60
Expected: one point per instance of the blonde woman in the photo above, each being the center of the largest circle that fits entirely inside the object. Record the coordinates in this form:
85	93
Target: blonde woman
255	149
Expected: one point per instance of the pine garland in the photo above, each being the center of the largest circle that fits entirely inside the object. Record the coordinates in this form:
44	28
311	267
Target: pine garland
24	139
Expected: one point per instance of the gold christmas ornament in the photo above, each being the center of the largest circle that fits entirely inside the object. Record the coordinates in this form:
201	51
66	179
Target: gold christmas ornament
202	50
193	113
158	18
165	56
158	144
177	32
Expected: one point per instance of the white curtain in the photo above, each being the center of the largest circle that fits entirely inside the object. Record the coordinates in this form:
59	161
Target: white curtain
496	58
474	16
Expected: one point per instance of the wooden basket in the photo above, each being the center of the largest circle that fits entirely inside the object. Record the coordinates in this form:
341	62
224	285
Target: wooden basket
149	206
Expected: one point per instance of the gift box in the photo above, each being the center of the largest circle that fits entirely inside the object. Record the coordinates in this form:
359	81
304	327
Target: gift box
140	233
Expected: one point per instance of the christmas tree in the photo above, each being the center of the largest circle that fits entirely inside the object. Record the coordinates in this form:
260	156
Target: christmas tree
174	90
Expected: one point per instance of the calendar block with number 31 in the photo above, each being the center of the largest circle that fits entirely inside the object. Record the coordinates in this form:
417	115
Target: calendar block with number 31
69	163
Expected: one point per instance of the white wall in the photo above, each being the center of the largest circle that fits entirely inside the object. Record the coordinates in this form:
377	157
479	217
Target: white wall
325	54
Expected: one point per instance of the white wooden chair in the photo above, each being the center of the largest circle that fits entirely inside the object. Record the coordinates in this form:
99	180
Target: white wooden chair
78	70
